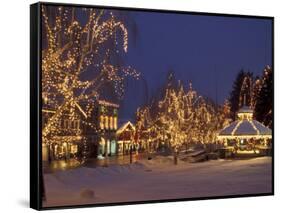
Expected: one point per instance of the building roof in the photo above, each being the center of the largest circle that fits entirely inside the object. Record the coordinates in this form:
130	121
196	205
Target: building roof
53	111
107	103
125	126
81	110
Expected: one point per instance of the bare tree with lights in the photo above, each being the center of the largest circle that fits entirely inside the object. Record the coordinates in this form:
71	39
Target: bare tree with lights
182	117
73	48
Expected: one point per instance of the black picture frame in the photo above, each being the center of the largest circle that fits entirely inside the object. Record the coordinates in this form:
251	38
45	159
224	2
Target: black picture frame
36	180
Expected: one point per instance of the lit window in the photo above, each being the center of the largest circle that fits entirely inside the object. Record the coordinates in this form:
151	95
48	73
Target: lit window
115	122
101	122
106	122
60	124
102	109
65	124
75	124
111	123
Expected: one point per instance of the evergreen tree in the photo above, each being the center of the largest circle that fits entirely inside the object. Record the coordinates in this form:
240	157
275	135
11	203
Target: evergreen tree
246	90
255	91
242	92
235	93
264	102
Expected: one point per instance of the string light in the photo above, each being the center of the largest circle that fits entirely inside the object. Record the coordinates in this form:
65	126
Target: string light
71	48
180	117
245	116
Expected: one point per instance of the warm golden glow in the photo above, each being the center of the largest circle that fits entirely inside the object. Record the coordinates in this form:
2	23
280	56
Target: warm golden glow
180	117
70	47
101	122
106	122
221	137
111	122
115	123
244	115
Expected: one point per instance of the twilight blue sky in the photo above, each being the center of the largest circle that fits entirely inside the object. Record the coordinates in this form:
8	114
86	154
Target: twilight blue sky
207	50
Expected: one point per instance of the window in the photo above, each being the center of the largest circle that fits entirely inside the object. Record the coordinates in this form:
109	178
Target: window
60	124
115	122
106	122
65	124
102	109
72	124
101	122
111	123
75	123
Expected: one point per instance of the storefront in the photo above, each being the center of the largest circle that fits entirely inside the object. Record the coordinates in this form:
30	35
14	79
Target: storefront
64	147
107	147
125	136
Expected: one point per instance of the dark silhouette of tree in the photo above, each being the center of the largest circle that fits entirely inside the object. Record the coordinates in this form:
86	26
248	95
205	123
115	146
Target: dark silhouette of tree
255	91
170	83
246	97
242	92
264	102
235	93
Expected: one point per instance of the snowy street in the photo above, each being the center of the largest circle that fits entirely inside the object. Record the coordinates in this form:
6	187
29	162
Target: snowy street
158	179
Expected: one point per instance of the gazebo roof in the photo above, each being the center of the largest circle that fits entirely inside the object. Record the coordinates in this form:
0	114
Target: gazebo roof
245	127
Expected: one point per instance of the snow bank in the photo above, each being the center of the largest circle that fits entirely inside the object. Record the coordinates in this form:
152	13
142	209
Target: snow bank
159	162
158	179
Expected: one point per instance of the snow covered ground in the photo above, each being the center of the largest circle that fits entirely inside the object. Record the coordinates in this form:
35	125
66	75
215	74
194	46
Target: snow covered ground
158	179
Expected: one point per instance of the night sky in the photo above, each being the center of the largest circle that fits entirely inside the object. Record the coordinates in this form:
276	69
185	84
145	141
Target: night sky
207	50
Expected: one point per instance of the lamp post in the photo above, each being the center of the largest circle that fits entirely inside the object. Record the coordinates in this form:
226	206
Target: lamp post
130	149
131	154
65	148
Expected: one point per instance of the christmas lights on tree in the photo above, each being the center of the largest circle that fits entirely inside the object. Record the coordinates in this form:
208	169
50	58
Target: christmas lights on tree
72	47
181	117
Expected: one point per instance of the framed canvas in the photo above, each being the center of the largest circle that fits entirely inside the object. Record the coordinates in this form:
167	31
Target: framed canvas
132	106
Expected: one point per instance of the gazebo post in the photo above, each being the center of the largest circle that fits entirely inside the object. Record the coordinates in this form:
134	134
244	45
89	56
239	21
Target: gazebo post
224	140
265	141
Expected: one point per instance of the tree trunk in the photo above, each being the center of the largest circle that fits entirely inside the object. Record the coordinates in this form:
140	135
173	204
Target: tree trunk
131	155
175	158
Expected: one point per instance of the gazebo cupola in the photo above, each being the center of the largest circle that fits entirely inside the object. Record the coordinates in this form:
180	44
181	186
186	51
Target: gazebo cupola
245	113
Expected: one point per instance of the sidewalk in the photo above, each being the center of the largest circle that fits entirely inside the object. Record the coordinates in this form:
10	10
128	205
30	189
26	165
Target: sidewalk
62	165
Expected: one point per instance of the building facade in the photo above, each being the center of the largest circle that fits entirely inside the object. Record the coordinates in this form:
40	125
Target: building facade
82	135
67	141
126	139
107	123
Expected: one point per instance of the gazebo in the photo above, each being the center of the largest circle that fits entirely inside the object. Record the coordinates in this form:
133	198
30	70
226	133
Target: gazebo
246	134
